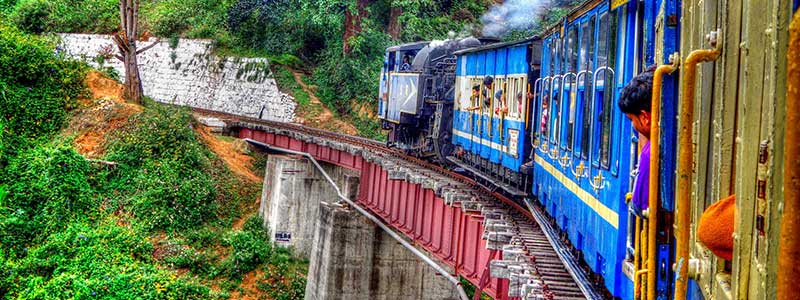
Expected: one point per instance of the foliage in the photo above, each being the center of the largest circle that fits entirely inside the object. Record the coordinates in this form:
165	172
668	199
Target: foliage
275	26
37	16
50	188
341	79
65	223
101	260
368	128
251	248
37	87
187	18
164	165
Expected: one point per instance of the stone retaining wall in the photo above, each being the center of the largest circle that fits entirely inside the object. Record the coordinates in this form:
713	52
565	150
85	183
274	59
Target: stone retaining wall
189	73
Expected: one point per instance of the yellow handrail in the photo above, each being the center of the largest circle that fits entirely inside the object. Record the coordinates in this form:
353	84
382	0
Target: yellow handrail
655	142
683	205
636	256
643	250
527	106
788	269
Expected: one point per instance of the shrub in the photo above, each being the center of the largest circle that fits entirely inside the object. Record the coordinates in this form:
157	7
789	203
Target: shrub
251	247
37	16
50	189
37	87
189	18
96	260
32	16
165	169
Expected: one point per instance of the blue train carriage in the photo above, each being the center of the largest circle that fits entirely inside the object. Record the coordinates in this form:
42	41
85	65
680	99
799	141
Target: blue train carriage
583	151
490	125
417	90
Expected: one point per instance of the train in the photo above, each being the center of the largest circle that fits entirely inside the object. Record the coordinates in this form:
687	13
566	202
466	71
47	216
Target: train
537	120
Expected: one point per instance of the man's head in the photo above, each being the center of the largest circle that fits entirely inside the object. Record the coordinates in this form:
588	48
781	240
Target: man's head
487	81
476	89
635	101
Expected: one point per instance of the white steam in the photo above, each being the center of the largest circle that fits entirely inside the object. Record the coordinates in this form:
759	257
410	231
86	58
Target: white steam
512	15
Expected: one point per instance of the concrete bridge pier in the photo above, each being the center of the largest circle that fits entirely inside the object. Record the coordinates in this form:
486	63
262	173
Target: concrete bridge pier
350	257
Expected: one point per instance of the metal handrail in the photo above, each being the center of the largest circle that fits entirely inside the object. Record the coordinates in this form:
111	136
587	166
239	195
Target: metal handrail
534	132
655	149
553	133
685	159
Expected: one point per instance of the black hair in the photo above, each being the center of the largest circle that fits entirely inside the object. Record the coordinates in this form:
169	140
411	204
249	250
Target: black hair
637	95
476	87
488	80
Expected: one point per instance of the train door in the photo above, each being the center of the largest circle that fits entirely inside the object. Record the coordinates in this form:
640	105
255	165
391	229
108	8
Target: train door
736	145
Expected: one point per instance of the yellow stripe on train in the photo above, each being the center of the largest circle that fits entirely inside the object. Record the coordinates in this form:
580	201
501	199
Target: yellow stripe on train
606	213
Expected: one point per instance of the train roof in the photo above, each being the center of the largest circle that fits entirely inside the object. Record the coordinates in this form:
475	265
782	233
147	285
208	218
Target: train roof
422	44
572	15
497	45
408	46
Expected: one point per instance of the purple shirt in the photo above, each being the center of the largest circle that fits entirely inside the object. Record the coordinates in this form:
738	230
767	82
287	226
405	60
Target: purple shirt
641	188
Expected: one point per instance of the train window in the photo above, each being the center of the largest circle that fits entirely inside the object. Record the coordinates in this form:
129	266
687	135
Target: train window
602	39
623	25
511	99
572	49
587	51
605	38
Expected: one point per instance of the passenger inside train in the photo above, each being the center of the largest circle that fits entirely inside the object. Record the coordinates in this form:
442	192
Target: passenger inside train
634	101
474	99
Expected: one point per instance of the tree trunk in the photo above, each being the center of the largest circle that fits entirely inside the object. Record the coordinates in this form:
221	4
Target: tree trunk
352	23
394	26
126	43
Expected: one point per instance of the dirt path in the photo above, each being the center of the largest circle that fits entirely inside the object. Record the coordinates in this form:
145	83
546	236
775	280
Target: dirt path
325	118
104	112
237	161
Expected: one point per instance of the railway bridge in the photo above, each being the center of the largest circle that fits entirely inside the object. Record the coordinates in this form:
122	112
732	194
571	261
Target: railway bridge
506	248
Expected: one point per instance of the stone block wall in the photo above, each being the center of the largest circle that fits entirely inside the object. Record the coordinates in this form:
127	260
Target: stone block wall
191	74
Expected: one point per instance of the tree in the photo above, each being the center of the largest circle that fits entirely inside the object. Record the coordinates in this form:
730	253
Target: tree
394	25
352	22
126	43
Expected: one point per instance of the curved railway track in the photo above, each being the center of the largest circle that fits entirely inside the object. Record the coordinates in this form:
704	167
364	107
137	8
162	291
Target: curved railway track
561	274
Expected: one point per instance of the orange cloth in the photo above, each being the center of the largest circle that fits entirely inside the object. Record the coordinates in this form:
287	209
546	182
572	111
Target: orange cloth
716	227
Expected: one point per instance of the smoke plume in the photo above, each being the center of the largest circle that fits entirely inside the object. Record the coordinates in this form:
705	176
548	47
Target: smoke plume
512	15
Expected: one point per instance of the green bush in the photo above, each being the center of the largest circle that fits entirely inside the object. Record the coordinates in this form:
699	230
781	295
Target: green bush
251	248
188	18
165	169
37	87
341	79
33	16
37	16
50	189
96	260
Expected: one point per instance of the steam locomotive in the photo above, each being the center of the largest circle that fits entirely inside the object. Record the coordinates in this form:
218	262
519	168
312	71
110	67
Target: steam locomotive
537	119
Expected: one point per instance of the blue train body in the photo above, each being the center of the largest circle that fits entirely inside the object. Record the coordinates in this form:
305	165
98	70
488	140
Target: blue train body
566	148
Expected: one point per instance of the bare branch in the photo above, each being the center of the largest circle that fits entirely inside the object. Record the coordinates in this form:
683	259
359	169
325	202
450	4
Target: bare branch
149	46
122	59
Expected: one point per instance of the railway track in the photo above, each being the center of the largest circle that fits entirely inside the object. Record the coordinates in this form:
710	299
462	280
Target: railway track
559	274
